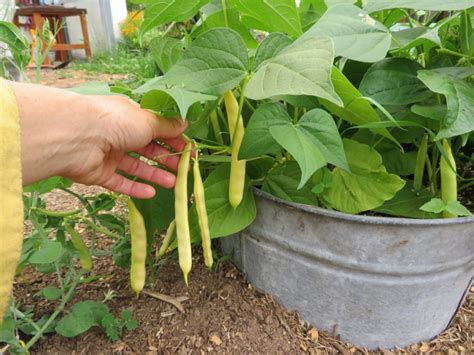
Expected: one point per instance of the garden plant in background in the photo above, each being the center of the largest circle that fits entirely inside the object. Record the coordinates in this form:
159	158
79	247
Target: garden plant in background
374	117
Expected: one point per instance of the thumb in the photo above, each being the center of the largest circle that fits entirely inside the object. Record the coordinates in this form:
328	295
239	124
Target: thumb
167	127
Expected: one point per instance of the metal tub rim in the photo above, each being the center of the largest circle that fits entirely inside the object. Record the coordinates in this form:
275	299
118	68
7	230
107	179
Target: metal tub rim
376	220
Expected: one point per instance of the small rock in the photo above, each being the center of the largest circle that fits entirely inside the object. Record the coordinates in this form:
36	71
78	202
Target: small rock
269	320
214	339
424	348
313	335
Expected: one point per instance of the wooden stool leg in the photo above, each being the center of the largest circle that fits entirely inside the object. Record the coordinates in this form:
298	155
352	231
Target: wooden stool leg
61	39
39	24
85	34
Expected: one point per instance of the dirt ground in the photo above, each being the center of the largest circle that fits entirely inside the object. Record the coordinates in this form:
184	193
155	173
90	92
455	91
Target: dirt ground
223	313
64	78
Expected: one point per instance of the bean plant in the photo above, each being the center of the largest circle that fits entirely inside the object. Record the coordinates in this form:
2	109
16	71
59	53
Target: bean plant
362	107
359	107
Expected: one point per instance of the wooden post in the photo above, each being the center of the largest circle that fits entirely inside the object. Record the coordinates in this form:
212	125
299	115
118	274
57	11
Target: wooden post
39	24
85	34
62	56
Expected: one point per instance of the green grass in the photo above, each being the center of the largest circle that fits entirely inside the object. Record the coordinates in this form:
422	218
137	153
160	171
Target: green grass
121	60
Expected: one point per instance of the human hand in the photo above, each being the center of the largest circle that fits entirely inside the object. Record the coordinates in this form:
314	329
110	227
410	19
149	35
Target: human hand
87	139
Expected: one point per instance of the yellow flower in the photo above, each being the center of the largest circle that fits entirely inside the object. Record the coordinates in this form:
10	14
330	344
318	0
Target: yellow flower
131	25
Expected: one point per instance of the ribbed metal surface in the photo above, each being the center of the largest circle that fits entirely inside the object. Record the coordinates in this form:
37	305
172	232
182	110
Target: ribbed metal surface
377	282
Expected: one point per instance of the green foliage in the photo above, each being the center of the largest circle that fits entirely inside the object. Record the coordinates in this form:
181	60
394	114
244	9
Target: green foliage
18	45
434	5
121	60
360	38
270	15
459	100
436	205
367	187
87	314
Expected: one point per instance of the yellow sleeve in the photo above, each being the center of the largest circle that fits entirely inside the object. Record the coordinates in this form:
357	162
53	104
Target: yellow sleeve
11	203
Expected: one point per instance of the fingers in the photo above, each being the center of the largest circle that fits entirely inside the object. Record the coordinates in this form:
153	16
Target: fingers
144	171
177	143
160	154
128	187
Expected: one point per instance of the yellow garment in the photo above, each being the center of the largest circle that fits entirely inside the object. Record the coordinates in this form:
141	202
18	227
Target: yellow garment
11	204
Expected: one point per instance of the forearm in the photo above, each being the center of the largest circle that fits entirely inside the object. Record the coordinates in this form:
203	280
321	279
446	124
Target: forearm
55	125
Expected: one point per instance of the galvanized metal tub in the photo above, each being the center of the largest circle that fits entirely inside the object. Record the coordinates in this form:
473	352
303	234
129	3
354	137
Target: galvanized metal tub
375	281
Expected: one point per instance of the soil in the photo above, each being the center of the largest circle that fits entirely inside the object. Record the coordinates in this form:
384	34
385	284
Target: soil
223	312
65	78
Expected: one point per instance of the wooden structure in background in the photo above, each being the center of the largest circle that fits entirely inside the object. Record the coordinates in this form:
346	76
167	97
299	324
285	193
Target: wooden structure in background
40	13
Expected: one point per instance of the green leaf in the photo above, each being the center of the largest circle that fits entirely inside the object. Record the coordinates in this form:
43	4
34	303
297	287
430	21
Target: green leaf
48	252
214	63
270	15
273	44
459	98
16	42
369	185
159	12
157	212
398	162
229	18
257	139
435	205
50	293
162	100
112	327
302	68
310	11
111	222
48	185
283	182
435	112
301	147
94	88
394	81
355	34
456	72
166	51
84	316
434	5
321	129
356	109
456	208
407	203
224	220
467	32
416	36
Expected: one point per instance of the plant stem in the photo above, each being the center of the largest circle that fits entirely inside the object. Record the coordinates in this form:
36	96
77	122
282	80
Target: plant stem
55	213
420	163
89	209
100	229
241	105
449	189
58	310
224	9
448	51
466	186
216	127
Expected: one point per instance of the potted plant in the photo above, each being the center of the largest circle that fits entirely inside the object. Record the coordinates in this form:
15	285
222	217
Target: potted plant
345	190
